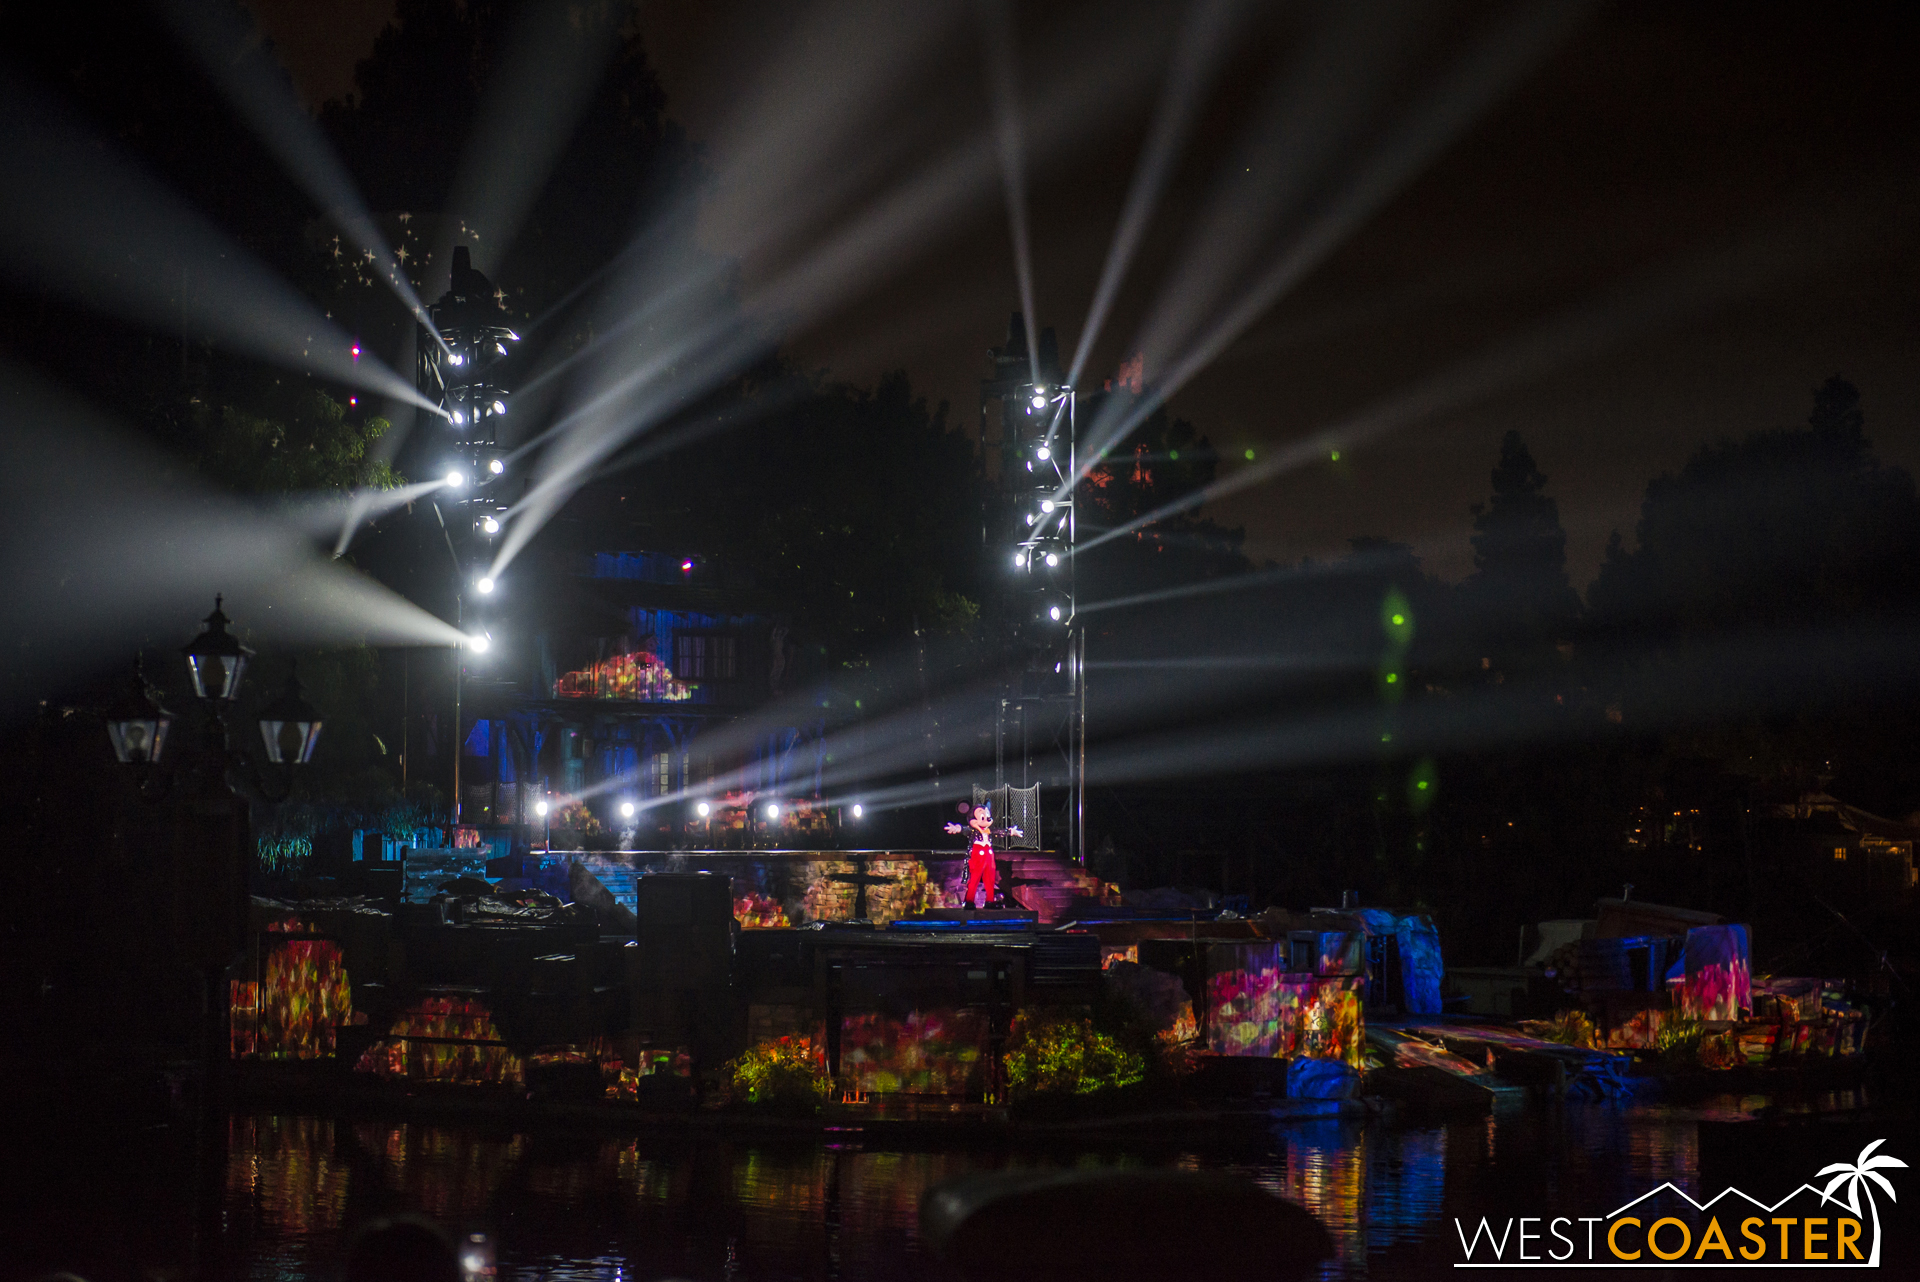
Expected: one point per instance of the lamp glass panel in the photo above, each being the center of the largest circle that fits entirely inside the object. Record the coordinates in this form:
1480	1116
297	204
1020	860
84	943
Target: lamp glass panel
139	739
289	742
216	676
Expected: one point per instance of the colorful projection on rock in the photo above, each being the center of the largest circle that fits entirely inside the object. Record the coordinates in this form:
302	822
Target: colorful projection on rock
934	1052
301	997
1718	984
444	1039
1257	1008
760	912
639	677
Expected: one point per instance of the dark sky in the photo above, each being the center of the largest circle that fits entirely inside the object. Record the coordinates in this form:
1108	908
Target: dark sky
1658	136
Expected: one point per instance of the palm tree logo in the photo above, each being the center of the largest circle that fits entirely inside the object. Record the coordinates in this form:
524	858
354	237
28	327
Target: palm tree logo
1855	1176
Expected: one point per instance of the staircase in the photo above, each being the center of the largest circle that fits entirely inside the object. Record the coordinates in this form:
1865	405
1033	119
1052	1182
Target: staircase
1058	882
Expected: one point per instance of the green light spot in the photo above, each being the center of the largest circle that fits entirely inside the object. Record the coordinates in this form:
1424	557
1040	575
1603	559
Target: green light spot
1174	455
1423	785
1336	456
1392	677
1399	619
1249	456
1386	738
856	703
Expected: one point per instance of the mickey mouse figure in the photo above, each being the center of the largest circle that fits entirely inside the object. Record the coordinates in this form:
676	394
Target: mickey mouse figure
981	870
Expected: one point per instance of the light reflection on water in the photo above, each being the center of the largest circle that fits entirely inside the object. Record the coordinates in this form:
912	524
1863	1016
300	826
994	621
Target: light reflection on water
616	1207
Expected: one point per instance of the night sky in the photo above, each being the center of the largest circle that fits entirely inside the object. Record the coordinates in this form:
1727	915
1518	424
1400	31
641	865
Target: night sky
1656	137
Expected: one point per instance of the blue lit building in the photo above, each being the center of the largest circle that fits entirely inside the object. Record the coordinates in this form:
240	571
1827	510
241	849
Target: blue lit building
633	676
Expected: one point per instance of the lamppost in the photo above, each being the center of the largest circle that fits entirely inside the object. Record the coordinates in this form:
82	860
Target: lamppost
212	832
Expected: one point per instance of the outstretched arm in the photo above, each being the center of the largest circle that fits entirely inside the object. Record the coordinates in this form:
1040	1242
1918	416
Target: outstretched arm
1012	831
953	828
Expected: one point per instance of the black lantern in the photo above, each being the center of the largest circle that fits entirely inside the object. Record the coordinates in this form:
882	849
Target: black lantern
137	724
216	659
290	726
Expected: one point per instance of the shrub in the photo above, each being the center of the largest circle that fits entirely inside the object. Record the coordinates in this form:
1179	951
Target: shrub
1064	1055
786	1075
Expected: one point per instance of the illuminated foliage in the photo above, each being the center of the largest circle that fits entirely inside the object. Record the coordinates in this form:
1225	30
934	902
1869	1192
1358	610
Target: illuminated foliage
784	1074
1051	1054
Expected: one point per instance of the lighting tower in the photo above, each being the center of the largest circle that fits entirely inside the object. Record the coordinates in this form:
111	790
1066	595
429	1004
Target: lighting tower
1035	528
466	373
467	379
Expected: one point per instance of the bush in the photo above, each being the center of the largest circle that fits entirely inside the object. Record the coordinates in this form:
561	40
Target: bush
1055	1055
787	1075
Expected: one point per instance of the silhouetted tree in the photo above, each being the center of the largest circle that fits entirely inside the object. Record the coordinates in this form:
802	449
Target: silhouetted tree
1518	596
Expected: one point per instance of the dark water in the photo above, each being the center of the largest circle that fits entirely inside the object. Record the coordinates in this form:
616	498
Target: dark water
585	1205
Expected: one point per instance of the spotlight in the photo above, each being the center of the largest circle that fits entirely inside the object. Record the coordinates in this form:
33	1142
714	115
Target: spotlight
456	359
1030	518
478	644
458	417
1039	402
1053	559
500	348
515	337
499	407
686	567
1046	505
626	810
355	350
703	810
540	808
490	526
1053	612
455	480
1019	560
496	467
1043	452
485	585
773	810
858	810
353	400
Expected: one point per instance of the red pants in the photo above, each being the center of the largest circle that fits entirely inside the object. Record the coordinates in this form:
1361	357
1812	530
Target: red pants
980	872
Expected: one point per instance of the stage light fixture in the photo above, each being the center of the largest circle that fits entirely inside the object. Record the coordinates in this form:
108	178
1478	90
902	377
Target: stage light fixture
626	810
490	526
540	808
703	810
499	407
1043	452
1046	505
1019	560
458	417
1053	559
478	644
773	811
1039	402
485	584
496	467
1053	612
456	359
858	810
455	480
